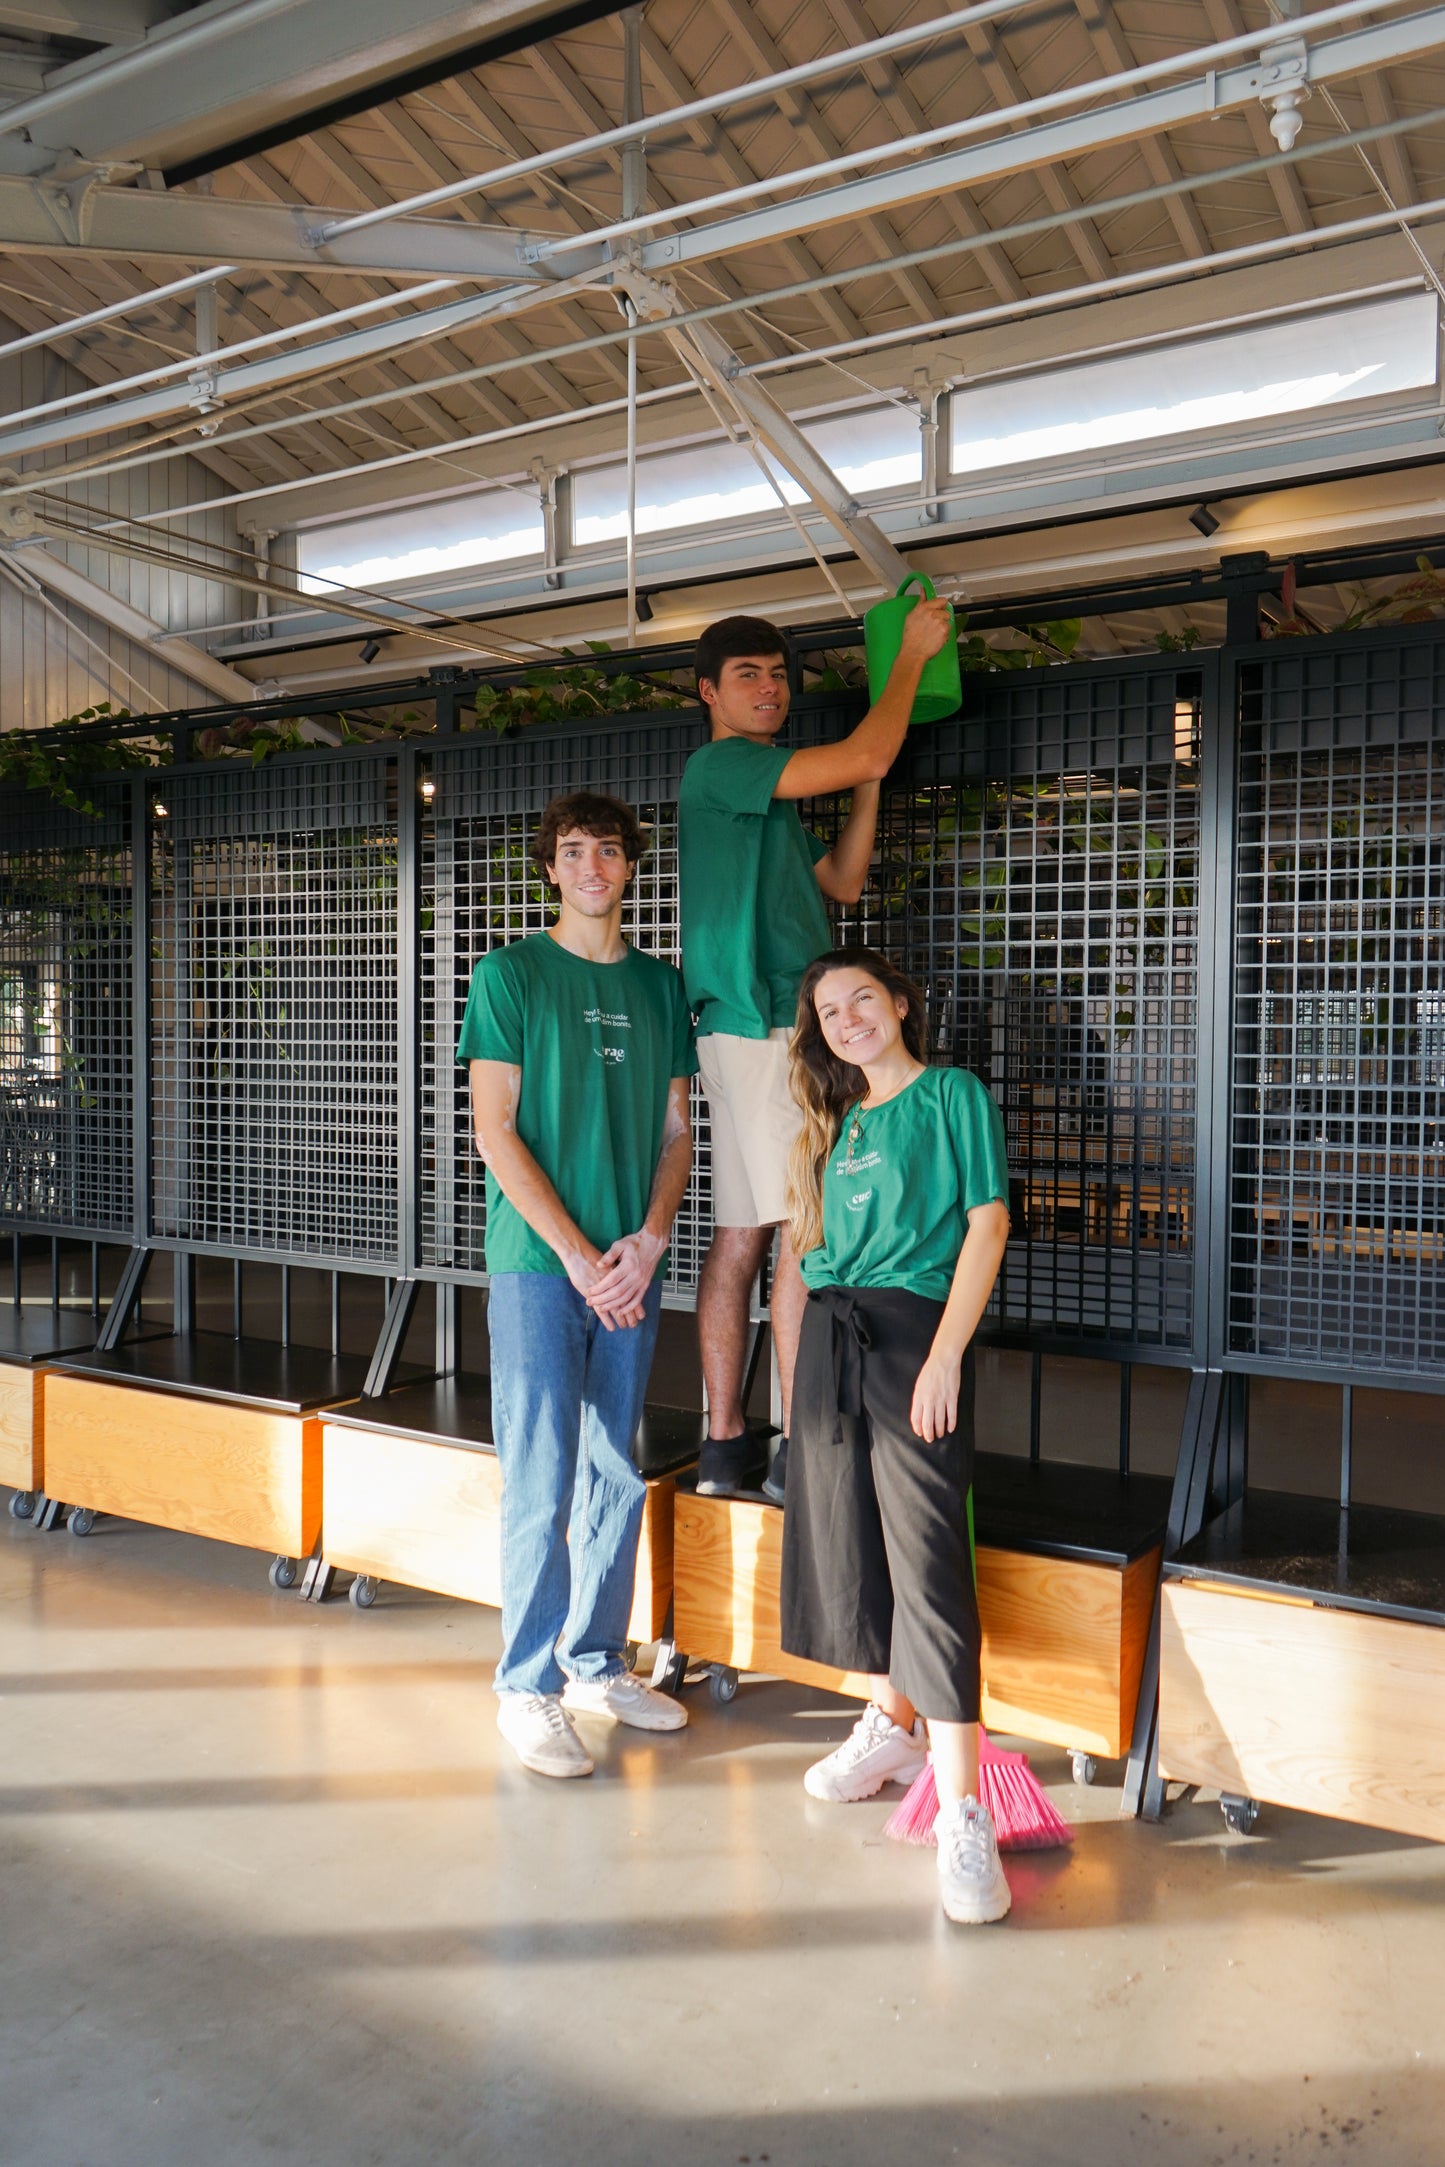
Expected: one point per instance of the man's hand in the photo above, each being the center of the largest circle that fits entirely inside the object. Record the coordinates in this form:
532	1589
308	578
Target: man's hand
624	1274
927	628
935	1398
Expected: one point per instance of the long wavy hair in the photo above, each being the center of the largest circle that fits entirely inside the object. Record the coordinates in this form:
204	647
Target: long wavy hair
825	1087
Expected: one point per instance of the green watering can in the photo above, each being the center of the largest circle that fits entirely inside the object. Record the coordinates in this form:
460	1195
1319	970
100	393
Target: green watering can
940	688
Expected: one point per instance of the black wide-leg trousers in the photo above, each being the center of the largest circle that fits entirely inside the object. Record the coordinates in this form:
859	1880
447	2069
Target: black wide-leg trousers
877	1563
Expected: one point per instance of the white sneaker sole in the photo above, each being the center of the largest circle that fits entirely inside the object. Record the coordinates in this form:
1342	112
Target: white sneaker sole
976	1913
540	1766
670	1718
865	1787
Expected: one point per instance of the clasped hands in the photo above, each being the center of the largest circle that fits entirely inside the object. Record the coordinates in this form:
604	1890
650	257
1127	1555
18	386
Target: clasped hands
614	1282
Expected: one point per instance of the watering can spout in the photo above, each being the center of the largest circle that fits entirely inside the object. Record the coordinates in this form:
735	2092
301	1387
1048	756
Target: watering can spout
940	688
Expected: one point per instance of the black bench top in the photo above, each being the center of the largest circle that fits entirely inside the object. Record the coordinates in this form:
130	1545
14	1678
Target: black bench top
1056	1509
294	1380
457	1410
37	1333
1371	1558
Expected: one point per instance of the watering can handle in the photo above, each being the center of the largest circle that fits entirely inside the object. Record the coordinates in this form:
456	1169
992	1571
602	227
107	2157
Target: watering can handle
924	582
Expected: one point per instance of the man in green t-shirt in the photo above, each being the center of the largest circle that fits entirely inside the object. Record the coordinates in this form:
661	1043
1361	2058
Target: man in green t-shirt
755	886
580	1052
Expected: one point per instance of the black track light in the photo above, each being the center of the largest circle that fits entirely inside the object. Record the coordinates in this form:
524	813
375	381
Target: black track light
1202	518
371	650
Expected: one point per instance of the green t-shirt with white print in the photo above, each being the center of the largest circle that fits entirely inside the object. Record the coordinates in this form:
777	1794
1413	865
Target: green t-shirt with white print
598	1045
896	1198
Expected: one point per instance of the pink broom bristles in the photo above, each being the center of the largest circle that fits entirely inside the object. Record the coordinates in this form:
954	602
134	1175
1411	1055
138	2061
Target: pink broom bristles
1023	1813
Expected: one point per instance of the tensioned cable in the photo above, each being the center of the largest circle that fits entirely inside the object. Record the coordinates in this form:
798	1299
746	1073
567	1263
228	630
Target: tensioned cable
508	647
857	56
162	447
26	581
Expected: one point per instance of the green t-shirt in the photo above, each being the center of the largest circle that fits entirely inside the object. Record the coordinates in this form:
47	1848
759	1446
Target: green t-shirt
753	915
598	1045
895	1212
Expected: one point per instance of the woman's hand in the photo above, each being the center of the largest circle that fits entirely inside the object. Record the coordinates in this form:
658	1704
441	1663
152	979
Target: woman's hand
935	1397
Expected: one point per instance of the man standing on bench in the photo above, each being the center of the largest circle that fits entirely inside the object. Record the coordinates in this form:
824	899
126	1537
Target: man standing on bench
753	889
580	1050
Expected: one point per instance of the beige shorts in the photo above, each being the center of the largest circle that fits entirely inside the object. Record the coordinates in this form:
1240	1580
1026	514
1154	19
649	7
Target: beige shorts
754	1121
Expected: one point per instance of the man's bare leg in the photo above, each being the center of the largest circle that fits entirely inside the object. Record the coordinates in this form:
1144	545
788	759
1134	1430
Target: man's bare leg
724	1289
786	1303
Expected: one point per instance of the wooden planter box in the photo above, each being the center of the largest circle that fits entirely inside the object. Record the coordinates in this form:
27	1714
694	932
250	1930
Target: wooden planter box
208	1435
412	1493
1063	1636
1316	1697
22	1427
31	1339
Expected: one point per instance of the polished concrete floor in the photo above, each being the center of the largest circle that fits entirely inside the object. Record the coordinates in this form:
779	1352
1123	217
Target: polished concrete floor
273	1893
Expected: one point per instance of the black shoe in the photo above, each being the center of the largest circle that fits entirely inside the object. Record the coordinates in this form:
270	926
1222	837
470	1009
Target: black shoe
775	1481
731	1463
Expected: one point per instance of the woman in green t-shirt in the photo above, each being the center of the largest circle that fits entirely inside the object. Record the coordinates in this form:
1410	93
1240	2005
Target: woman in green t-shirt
898	1194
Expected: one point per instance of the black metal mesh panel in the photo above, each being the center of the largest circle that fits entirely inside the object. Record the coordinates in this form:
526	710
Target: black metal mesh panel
1038	878
274	1009
65	1014
1337	1214
479	891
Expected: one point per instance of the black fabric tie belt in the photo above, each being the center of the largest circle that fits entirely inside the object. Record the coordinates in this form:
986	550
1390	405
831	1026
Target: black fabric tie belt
851	1339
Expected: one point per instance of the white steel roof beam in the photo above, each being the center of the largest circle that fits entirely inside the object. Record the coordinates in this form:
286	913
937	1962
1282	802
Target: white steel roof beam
88	22
207	388
36	218
709	352
177	654
1354	53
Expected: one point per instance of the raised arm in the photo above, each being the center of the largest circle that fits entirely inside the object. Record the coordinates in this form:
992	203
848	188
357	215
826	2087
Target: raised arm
867	753
625	1272
496	1093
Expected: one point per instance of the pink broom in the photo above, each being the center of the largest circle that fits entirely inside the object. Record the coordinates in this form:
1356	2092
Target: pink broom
1022	1811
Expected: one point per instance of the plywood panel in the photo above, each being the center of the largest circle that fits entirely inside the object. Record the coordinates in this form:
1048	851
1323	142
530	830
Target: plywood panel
1328	1710
1062	1641
428	1515
22	1427
727	1566
1058	1663
237	1474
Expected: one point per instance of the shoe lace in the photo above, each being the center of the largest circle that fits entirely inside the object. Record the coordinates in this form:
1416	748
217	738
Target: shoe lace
552	1714
870	1730
971	1842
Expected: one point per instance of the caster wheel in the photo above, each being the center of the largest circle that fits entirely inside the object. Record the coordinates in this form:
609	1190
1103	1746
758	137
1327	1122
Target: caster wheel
724	1686
81	1520
22	1505
1240	1814
282	1573
630	1654
1085	1767
363	1591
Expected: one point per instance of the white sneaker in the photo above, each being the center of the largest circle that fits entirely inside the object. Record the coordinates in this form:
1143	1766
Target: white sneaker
626	1700
970	1872
539	1731
876	1751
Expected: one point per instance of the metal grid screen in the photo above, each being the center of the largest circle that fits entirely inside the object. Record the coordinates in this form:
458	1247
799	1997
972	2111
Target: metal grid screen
479	890
1038	878
66	951
1337	1215
274	1010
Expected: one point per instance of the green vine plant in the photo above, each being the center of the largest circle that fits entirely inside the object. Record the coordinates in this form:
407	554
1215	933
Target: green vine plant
570	692
73	773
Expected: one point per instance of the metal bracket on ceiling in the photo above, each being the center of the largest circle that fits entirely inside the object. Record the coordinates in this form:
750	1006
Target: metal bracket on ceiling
1282	82
70	205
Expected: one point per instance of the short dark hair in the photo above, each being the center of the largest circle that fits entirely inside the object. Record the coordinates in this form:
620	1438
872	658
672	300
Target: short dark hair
595	813
732	638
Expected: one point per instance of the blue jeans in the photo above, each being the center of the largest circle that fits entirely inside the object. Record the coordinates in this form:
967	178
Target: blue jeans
567	1397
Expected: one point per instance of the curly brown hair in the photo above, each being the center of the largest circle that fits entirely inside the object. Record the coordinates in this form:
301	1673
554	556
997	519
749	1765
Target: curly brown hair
595	813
